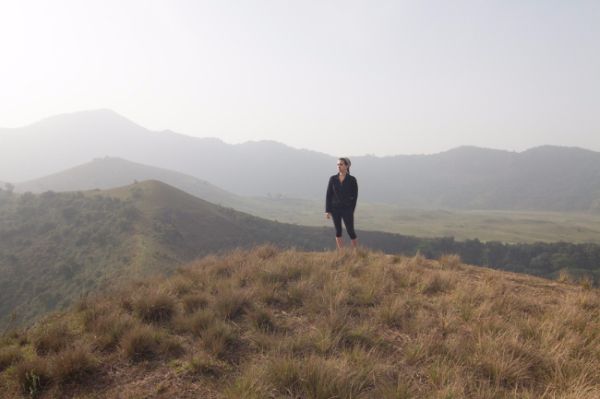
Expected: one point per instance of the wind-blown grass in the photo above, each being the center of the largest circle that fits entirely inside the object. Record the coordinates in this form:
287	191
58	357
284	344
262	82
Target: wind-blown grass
268	323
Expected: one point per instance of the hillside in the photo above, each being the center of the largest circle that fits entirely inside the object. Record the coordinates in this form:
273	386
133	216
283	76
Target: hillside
468	178
267	323
107	173
504	226
55	247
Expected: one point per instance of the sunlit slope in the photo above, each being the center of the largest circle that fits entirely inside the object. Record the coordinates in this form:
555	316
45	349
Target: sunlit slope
268	323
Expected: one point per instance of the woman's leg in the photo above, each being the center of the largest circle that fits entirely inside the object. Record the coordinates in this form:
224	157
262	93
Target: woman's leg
337	222
348	217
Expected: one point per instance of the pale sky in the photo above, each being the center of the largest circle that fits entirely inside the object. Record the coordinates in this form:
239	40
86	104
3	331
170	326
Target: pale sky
340	77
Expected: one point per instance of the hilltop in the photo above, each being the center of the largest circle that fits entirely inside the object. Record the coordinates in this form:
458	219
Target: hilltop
109	172
268	323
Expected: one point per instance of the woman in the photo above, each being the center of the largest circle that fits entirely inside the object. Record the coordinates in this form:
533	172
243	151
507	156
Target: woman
340	202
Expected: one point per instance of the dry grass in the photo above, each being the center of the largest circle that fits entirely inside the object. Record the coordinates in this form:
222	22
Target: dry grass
52	338
154	306
147	343
74	366
268	323
8	356
32	376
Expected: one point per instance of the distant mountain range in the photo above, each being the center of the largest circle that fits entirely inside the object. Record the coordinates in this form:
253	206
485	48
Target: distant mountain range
542	178
107	173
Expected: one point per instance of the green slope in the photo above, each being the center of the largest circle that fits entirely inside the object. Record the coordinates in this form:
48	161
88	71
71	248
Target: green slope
487	225
55	247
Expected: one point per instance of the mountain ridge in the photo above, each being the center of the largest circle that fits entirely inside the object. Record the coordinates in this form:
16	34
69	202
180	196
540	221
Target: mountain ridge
546	178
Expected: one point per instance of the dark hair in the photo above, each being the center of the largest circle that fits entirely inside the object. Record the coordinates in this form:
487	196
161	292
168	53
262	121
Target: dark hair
346	162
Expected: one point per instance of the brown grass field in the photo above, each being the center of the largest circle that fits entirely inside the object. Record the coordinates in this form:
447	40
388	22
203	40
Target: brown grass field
268	323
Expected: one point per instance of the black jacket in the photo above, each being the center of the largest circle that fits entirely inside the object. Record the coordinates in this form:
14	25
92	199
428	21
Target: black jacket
341	196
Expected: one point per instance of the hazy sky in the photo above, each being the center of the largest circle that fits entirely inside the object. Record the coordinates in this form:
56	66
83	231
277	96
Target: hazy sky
341	77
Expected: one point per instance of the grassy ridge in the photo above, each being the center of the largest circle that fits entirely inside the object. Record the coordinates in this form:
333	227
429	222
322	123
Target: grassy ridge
268	323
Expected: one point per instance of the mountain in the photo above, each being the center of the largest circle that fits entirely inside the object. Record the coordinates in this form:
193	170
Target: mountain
267	323
107	173
466	178
65	141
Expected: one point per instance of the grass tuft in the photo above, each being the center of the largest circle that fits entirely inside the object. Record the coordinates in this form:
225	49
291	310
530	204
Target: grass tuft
231	305
194	301
52	338
221	340
8	356
204	364
73	366
147	343
263	320
33	376
155	307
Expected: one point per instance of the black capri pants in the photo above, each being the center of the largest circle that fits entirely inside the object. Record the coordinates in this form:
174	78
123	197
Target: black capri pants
348	216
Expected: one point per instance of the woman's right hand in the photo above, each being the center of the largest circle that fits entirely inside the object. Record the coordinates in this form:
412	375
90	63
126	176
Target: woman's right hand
328	215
